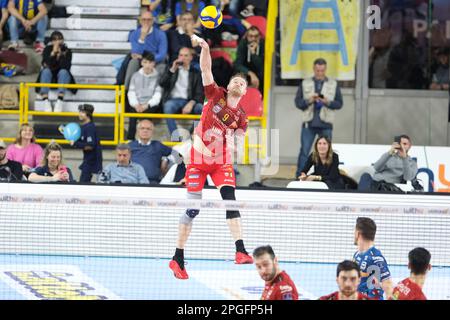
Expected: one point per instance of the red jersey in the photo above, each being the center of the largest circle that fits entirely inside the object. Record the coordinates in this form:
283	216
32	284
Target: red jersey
335	296
214	126
280	288
408	290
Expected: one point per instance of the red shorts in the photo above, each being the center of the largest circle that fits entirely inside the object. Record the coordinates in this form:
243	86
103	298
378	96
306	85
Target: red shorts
221	174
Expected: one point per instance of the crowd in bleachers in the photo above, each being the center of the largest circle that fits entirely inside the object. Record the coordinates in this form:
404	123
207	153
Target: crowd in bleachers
160	74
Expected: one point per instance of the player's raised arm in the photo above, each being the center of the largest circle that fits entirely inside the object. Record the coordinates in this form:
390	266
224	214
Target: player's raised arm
205	60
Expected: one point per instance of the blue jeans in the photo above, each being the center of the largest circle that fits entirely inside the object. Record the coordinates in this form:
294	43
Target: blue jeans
63	77
307	137
15	26
174	106
365	182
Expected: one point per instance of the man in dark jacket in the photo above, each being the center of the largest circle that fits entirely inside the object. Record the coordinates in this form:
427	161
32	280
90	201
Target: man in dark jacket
250	57
183	89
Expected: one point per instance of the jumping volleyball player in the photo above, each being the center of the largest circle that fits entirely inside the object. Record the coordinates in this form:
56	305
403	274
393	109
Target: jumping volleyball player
221	119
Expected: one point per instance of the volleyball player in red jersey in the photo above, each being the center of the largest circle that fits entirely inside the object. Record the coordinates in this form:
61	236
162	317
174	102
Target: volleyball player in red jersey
411	287
278	284
348	277
222	120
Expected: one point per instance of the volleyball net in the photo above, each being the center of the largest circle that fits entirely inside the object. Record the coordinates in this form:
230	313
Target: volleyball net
111	242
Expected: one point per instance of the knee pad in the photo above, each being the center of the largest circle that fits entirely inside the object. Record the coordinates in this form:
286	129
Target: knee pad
188	216
233	214
227	193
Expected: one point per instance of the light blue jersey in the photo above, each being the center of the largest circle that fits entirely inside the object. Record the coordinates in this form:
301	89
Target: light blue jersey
373	266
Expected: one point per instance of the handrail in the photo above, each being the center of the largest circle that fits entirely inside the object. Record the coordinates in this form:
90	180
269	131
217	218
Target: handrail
115	115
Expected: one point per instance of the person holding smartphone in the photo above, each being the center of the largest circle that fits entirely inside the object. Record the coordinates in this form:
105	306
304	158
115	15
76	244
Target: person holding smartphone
394	166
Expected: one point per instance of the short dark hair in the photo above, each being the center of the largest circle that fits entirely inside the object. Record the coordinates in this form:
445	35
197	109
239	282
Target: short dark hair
123	146
320	62
87	108
56	35
347	265
419	259
404	136
148	56
367	227
258	252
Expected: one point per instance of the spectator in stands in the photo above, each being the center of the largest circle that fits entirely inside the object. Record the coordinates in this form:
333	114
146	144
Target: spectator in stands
194	6
441	75
146	38
318	98
124	171
52	168
145	93
250	57
3	17
163	14
378	58
181	36
90	143
183	89
253	8
28	16
9	170
149	153
395	166
405	64
325	162
24	149
56	63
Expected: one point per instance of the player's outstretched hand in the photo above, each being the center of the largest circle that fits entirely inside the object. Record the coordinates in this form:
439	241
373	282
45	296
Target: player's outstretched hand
201	42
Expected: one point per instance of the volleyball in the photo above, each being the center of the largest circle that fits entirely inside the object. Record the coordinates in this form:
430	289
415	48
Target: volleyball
211	17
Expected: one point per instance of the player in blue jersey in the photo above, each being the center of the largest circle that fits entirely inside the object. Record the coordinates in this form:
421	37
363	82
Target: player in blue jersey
375	274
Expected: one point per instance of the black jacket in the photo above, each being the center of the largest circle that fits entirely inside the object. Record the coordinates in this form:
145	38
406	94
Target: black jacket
54	64
195	87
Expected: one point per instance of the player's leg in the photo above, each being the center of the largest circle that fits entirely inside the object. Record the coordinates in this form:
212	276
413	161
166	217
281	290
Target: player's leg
195	179
224	178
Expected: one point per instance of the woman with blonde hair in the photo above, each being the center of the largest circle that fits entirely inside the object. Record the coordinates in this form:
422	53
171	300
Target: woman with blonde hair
52	168
325	162
25	149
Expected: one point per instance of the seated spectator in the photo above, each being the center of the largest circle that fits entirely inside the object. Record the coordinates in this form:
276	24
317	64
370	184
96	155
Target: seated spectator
325	162
145	93
124	171
9	170
253	8
441	76
149	153
194	6
250	57
24	149
395	166
56	63
52	168
28	17
181	36
3	17
146	38
183	89
162	12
